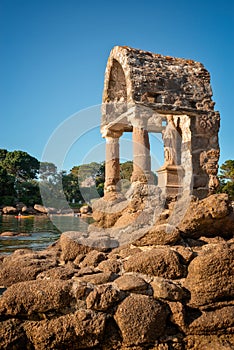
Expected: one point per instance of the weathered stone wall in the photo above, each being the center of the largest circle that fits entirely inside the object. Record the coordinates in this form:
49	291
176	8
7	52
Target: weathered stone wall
166	83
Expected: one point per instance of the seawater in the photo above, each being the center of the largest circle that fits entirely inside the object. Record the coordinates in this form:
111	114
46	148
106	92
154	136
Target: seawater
39	231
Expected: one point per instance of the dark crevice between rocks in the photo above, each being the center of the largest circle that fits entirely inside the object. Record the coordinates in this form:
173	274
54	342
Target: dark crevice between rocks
191	314
112	336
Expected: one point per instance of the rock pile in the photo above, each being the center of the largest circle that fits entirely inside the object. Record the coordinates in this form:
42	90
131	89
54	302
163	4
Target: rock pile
157	295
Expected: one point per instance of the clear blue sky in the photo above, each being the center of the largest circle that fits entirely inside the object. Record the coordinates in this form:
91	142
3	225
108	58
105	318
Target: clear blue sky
54	52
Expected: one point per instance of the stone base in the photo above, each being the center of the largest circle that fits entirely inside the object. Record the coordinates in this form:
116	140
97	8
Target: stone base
146	177
170	179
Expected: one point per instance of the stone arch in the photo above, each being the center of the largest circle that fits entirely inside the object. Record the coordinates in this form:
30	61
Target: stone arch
117	67
116	91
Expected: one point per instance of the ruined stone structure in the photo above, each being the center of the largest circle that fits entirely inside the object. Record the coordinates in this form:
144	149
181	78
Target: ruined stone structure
151	273
146	92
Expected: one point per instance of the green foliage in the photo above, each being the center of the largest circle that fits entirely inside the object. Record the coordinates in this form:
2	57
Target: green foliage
17	173
226	177
227	170
126	170
20	165
51	189
47	171
90	178
29	193
6	183
71	187
3	153
7	200
91	171
24	179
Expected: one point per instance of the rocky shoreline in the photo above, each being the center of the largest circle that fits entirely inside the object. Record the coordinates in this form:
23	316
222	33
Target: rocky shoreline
164	291
39	209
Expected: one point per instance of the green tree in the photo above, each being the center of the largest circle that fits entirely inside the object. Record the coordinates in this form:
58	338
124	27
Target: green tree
51	187
87	171
91	178
47	171
29	192
20	168
71	187
7	188
227	170
21	165
126	170
226	177
3	153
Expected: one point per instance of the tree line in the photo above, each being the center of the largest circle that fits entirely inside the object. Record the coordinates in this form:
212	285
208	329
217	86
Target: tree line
24	179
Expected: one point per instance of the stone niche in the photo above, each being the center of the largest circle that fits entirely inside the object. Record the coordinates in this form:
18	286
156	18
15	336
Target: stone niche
146	92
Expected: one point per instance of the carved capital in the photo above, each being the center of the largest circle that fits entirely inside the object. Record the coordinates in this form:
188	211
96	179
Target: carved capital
108	133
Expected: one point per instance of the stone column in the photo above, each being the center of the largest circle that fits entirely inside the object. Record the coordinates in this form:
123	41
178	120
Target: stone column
112	167
141	155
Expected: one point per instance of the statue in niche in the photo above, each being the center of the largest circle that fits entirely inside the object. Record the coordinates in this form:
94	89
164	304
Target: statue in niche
172	142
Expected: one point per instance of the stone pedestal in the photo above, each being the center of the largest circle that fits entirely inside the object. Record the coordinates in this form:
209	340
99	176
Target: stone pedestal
170	179
141	156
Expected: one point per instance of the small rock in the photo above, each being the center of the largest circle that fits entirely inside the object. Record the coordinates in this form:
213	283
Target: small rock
161	261
103	298
85	209
186	253
178	315
210	216
124	252
78	259
110	265
80	289
40	208
97	278
209	342
36	297
212	321
71	245
131	283
24	209
210	275
167	289
141	319
93	258
85	328
212	240
9	210
12	335
159	235
102	243
25	265
8	234
60	272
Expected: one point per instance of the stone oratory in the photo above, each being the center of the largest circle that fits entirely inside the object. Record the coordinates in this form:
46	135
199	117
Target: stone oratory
146	92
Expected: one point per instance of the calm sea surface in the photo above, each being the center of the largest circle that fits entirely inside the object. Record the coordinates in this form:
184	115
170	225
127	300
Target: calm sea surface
40	231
